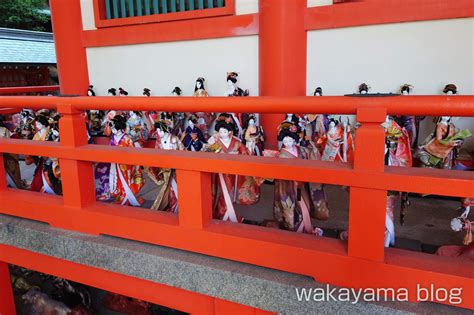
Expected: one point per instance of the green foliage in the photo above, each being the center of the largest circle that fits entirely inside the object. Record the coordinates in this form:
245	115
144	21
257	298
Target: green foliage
25	14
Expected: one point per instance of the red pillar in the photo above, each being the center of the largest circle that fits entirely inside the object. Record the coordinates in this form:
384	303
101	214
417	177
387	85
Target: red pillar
282	49
70	54
7	303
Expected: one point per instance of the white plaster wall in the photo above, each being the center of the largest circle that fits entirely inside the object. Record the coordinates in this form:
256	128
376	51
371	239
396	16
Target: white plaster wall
427	55
163	66
246	6
88	23
87	11
318	3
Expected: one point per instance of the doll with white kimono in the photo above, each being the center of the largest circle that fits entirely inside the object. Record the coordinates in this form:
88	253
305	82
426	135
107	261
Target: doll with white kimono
125	180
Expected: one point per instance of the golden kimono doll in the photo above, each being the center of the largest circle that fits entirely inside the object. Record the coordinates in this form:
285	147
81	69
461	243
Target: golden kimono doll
125	180
294	200
165	178
228	189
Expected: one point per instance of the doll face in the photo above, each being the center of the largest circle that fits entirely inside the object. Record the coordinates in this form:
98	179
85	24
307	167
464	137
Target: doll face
39	125
160	132
251	122
449	93
198	84
405	92
332	125
445	118
224	133
288	142
174	94
230	83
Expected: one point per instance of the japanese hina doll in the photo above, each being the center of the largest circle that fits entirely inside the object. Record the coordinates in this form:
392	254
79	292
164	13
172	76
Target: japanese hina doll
290	120
204	120
47	174
397	153
179	118
254	136
11	163
192	138
125	180
165	178
408	122
228	189
149	117
136	129
234	90
337	144
24	124
293	200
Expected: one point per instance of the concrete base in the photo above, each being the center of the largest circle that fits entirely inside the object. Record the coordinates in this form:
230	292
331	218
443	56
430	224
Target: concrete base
246	284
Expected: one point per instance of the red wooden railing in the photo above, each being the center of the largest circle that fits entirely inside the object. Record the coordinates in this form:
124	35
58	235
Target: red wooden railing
362	262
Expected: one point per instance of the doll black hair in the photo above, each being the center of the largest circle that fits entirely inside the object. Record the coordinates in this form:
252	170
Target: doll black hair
123	92
450	88
146	92
201	80
193	119
287	133
42	120
2	121
232	76
335	121
363	87
178	91
406	88
112	91
162	126
226	125
119	122
319	90
90	90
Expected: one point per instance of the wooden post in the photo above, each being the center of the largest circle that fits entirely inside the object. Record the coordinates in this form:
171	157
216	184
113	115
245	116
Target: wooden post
367	207
7	301
194	198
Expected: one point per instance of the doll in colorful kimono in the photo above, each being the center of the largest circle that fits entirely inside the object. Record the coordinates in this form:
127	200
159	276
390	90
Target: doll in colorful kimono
11	163
254	136
47	173
228	189
439	149
25	128
337	143
397	153
293	200
192	138
290	120
149	117
204	119
408	122
136	129
234	90
125	180
165	178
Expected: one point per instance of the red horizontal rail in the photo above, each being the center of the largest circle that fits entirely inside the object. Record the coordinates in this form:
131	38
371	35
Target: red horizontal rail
423	181
28	89
396	105
364	263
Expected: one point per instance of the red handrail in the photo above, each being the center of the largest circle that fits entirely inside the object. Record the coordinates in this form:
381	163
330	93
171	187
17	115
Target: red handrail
363	263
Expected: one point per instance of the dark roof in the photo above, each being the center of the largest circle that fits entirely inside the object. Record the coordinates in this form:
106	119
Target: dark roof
26	47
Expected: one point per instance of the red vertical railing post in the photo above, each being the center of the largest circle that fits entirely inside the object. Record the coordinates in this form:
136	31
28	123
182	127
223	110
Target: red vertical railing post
367	207
3	173
77	177
7	301
194	197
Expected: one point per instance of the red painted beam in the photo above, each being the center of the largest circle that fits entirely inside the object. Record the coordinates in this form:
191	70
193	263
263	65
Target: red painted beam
217	27
375	12
28	89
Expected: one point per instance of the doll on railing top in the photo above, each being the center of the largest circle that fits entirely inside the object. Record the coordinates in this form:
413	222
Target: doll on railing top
450	89
122	92
90	91
112	92
409	122
364	88
204	119
234	90
179	118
